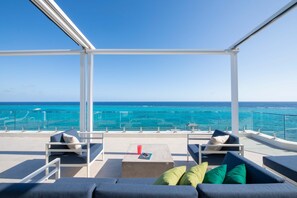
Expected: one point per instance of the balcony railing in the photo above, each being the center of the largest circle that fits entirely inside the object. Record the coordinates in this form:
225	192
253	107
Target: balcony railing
279	125
51	120
282	126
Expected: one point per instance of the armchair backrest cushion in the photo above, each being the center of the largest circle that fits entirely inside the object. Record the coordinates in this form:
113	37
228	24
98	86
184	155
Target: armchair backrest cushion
59	138
233	139
254	173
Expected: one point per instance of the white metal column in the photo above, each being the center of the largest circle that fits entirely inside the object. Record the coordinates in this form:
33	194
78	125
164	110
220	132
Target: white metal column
82	120
90	92
234	93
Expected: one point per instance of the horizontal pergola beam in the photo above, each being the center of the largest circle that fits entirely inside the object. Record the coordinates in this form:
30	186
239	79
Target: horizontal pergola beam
40	52
57	16
157	52
284	10
116	52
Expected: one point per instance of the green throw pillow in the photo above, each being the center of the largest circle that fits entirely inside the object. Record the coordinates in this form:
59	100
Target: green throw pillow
194	176
171	177
216	175
236	176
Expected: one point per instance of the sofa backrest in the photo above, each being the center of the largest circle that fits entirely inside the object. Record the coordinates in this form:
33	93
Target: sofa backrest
144	191
47	190
233	139
59	138
254	173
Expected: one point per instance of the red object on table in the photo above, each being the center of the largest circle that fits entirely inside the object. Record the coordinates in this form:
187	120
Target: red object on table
139	149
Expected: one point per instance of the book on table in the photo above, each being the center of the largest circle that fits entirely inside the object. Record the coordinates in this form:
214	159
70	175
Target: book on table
146	156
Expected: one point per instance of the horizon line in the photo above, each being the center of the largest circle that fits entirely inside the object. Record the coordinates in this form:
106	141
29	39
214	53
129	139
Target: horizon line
129	101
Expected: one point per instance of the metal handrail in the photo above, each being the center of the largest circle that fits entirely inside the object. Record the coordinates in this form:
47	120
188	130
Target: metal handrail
55	171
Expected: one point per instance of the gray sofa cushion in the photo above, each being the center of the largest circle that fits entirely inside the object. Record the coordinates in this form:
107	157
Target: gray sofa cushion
254	173
136	181
144	191
96	181
280	190
73	158
35	190
285	165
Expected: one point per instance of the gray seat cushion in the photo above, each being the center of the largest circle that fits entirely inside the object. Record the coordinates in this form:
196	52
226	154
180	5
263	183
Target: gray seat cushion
285	165
35	190
282	190
144	191
73	158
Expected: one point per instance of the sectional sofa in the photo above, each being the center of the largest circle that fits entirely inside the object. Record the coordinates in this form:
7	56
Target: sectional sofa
260	184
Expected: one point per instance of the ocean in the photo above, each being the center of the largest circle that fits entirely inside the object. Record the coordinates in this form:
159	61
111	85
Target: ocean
278	118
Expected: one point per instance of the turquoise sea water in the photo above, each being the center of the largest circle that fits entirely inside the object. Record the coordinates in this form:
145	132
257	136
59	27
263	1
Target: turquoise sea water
269	117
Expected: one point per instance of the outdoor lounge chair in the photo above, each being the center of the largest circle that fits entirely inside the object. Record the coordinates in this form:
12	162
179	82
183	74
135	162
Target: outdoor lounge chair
199	155
57	148
283	165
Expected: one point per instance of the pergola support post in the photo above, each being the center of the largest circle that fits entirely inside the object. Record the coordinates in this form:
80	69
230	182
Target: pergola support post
90	92
234	93
82	119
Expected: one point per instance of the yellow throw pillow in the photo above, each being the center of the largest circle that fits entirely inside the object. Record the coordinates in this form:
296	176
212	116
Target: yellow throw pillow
171	177
194	176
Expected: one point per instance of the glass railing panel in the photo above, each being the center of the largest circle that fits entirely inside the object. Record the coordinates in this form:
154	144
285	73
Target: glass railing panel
269	123
291	127
38	120
50	120
245	120
162	120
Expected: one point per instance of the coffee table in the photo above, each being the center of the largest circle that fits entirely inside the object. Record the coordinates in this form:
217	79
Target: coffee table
161	160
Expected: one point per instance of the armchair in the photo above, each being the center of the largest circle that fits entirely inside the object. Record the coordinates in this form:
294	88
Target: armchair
57	148
199	154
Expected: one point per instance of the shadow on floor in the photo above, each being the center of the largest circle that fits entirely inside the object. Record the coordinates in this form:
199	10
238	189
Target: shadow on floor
111	168
72	171
22	169
25	168
22	153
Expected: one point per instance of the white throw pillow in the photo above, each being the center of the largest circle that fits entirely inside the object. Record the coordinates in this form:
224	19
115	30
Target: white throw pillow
215	141
72	139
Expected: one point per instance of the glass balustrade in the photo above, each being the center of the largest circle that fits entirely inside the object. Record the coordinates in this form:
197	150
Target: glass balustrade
279	125
50	120
282	126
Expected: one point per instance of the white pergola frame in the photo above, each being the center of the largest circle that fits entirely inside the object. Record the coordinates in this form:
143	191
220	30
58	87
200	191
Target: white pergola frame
56	14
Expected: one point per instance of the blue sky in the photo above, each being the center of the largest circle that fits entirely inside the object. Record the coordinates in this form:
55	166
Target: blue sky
267	62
